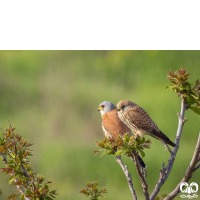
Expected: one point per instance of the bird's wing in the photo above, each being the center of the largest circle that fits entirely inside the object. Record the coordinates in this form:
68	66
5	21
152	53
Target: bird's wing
141	119
113	125
106	132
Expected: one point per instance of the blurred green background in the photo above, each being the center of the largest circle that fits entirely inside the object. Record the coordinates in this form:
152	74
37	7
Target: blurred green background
52	97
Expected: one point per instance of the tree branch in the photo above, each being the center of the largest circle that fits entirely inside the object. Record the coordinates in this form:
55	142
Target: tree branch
164	173
197	167
142	179
188	173
128	176
20	189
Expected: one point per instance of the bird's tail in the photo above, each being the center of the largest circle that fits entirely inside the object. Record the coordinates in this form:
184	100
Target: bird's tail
141	161
158	134
167	140
170	142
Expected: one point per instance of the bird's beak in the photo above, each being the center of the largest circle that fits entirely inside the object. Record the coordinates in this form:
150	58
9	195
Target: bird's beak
100	108
118	108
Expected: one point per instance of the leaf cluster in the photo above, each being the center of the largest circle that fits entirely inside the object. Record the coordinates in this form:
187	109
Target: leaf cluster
184	88
18	166
92	189
123	146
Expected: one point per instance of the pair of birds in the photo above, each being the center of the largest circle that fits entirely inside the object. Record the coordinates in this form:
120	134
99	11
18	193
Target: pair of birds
129	116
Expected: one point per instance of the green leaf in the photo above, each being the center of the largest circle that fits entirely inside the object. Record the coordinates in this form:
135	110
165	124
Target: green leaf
110	152
181	88
142	140
48	198
52	196
118	153
11	179
28	192
22	197
195	97
126	138
142	153
196	110
102	154
190	101
187	87
197	82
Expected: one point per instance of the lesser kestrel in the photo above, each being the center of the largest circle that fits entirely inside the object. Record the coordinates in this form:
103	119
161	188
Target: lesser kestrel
138	120
111	124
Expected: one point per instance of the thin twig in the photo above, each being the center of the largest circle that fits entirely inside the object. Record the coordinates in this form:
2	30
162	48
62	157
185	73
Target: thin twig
199	157
164	173
128	176
188	173
142	179
197	167
142	168
20	189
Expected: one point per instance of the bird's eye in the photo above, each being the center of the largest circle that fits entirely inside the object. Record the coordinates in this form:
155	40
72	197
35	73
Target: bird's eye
103	106
123	106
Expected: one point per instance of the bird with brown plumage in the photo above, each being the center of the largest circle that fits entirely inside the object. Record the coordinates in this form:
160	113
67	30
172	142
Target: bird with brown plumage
138	120
111	124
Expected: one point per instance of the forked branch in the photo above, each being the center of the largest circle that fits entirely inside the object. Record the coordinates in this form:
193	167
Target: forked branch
189	172
164	173
142	178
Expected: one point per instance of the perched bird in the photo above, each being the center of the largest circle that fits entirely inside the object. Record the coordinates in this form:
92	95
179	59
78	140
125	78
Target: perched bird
138	120
111	124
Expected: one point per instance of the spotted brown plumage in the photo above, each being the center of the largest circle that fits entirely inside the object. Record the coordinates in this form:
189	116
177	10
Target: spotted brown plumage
138	120
111	124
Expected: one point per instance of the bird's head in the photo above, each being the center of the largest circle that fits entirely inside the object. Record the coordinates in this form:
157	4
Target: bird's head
105	107
124	104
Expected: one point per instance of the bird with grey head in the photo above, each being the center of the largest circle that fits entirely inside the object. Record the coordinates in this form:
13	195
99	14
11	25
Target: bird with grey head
111	124
105	107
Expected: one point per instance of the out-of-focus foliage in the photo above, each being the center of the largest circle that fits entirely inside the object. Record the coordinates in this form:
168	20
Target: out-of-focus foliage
92	189
52	98
16	149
